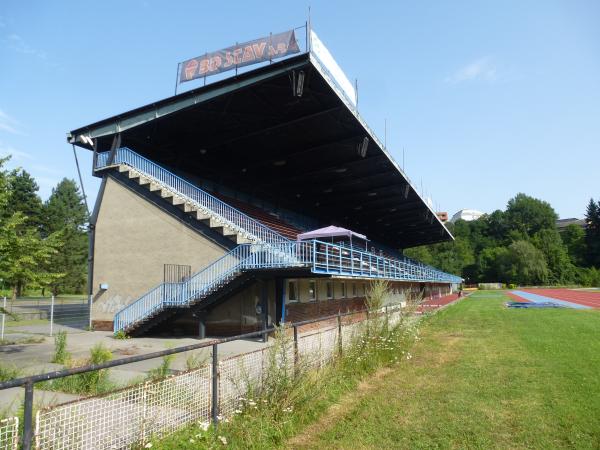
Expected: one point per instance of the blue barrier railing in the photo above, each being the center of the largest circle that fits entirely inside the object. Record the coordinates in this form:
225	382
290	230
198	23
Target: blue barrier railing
221	211
319	257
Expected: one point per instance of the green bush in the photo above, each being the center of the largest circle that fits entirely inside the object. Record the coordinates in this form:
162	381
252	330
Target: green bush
120	335
9	373
94	382
61	356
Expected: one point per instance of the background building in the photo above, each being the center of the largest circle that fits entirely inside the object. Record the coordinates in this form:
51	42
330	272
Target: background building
466	214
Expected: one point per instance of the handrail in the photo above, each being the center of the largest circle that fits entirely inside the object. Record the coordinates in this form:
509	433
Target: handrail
232	217
320	257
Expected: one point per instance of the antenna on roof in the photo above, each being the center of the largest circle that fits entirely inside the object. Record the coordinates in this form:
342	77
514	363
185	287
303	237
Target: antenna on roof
308	28
403	166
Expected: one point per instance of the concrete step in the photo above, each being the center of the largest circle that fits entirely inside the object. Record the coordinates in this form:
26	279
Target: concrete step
226	231
142	181
187	207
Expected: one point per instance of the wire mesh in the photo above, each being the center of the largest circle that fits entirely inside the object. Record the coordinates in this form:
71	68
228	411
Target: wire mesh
237	376
9	433
128	416
133	415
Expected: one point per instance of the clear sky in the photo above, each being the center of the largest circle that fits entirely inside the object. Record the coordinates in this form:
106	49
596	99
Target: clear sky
488	99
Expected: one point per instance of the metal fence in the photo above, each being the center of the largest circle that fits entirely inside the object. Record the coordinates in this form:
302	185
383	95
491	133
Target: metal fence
319	257
9	433
205	202
56	313
133	415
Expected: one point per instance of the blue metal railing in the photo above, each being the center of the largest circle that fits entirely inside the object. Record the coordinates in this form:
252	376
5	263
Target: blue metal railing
320	257
221	211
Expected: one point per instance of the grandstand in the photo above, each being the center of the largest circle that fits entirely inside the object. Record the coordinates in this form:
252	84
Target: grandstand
204	195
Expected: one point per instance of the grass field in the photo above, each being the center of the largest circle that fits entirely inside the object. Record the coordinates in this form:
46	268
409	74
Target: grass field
482	376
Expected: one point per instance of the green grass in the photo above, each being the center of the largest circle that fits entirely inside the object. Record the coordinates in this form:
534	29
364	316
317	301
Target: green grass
291	403
483	376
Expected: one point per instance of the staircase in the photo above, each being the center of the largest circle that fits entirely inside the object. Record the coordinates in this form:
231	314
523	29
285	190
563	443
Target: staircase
204	207
210	279
259	246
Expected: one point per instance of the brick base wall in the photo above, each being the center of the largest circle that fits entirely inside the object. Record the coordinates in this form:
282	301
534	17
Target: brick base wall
102	325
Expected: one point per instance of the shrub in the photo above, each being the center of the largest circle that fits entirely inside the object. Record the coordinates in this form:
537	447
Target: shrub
163	370
9	373
61	356
94	382
120	335
196	360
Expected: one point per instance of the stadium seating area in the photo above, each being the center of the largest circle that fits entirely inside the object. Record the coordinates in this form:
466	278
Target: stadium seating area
268	219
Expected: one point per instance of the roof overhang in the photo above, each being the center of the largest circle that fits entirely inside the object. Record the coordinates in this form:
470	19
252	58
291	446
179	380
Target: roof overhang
250	132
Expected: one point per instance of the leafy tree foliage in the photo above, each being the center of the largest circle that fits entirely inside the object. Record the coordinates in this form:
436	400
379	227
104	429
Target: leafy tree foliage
519	245
523	264
528	215
592	233
24	198
574	239
65	213
23	253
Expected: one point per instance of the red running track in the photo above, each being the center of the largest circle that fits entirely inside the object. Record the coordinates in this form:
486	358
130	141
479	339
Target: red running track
585	298
428	305
516	298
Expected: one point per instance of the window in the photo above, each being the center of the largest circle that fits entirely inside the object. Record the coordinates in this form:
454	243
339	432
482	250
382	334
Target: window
329	287
293	291
354	292
343	288
312	290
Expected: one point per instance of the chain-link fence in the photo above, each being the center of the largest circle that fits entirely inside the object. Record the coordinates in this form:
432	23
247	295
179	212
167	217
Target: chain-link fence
45	315
133	415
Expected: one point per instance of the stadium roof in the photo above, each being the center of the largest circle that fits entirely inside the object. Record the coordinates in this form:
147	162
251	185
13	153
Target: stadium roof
303	153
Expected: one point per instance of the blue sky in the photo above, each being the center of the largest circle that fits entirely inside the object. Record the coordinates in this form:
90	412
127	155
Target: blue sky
487	98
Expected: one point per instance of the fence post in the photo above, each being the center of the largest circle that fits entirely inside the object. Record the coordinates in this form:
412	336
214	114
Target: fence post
90	312
295	346
52	315
339	321
215	385
28	416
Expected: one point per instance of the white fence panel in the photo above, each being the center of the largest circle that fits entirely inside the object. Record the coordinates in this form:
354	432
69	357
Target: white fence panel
9	433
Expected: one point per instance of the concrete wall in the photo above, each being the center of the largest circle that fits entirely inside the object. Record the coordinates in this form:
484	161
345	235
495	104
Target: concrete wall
133	240
238	314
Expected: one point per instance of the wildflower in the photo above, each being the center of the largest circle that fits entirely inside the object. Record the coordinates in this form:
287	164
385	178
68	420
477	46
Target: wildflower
223	440
192	441
237	411
204	425
148	445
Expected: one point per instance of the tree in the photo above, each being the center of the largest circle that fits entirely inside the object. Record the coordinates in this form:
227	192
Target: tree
66	213
523	264
24	197
527	215
573	237
592	233
24	254
489	264
560	267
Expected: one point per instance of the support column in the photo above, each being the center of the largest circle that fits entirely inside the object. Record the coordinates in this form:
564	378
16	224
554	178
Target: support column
264	304
279	301
202	324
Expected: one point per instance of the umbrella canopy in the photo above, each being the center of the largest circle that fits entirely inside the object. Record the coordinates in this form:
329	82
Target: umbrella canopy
330	231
